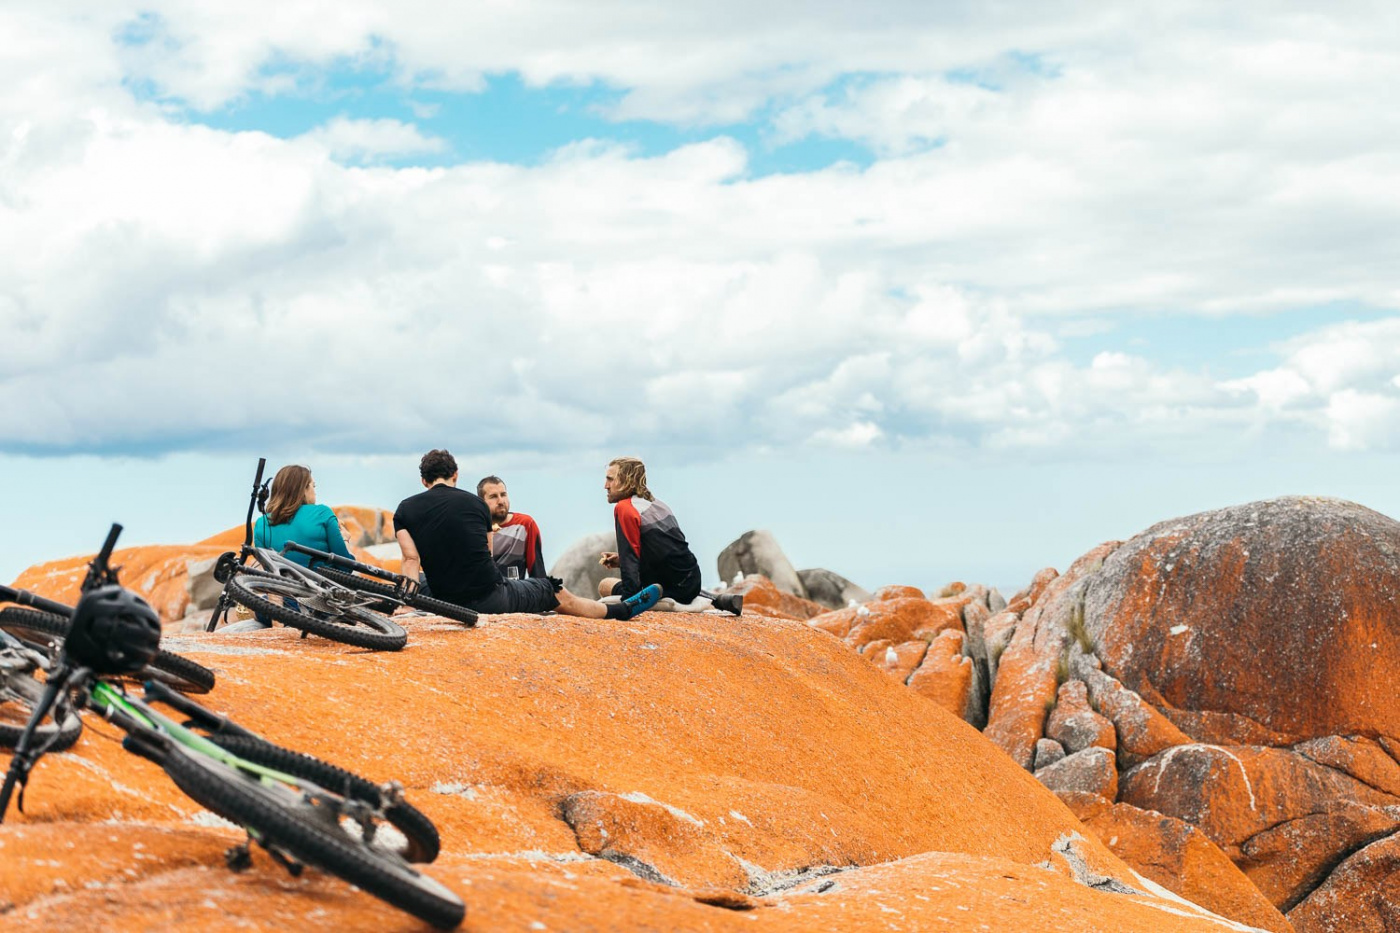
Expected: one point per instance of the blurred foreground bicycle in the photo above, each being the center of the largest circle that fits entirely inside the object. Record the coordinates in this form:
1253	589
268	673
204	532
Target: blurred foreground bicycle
301	810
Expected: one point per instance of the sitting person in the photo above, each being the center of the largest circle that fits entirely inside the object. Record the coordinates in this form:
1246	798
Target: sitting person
293	516
515	541
445	532
651	548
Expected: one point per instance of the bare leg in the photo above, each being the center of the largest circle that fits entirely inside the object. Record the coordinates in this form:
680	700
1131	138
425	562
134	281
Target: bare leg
572	605
605	586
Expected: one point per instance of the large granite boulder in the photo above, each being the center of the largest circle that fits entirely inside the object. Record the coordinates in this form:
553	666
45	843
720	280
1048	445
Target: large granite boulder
831	589
758	552
1280	614
578	566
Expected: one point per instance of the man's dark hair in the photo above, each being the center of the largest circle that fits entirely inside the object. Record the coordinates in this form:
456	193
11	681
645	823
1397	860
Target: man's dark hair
485	480
437	464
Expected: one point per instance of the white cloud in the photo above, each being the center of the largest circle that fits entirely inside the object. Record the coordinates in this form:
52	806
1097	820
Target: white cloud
348	139
1361	420
165	285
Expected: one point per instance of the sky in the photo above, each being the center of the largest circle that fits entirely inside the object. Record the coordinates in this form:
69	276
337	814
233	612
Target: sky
931	291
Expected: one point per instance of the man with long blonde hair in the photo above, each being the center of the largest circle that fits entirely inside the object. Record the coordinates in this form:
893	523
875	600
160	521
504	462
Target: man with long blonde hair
651	548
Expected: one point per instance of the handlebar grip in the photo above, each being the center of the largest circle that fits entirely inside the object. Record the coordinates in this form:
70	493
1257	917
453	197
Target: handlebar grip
106	553
262	465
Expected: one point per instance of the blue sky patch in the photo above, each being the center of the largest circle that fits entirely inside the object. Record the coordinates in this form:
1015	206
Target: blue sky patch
509	121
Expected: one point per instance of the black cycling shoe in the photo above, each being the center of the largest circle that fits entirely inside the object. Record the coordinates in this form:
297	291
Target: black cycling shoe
732	603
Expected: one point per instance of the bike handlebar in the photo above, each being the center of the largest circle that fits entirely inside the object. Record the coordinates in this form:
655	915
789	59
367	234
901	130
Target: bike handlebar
9	594
100	570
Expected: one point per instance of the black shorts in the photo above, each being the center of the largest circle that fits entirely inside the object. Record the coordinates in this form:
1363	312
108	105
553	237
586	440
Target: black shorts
533	594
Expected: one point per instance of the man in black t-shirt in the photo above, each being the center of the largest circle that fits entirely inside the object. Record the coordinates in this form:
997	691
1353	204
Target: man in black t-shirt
445	532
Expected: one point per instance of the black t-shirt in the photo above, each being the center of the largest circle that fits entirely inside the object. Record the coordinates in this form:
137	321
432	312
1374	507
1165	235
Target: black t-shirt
449	527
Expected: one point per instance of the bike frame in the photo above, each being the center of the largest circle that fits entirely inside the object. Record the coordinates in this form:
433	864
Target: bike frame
345	563
134	717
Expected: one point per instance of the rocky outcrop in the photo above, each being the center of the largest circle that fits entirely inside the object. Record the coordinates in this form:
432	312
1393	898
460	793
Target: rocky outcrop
760	594
757	552
1231	659
673	772
1178	856
578	566
1218	671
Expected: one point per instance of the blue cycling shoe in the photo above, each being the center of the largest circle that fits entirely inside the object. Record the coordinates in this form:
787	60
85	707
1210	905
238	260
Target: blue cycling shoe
642	600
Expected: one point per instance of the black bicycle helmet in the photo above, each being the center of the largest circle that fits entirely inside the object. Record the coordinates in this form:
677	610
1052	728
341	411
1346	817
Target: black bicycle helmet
114	631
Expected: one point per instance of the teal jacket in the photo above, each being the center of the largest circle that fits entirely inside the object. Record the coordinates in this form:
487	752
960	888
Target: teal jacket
313	526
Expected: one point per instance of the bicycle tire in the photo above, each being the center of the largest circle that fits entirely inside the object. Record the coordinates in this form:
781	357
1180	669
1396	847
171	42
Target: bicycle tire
283	820
177	671
427	603
19	694
365	629
423	840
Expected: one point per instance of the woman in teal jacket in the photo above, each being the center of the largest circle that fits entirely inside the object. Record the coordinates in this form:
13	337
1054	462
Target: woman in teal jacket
293	515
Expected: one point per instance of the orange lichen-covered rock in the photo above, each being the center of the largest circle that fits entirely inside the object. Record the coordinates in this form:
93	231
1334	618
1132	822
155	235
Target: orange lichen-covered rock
1075	725
1281	612
900	660
1181	859
1282	816
364	526
666	839
179	882
901	619
158	572
1139	729
1029	670
680	731
1359	895
1090	772
945	676
897	592
760	593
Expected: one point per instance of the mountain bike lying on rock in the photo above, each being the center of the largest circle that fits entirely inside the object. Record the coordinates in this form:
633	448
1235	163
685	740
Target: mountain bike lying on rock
20	692
303	811
266	582
393	587
49	621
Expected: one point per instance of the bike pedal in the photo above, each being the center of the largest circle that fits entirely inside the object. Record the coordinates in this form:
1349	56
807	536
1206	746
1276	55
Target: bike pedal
238	858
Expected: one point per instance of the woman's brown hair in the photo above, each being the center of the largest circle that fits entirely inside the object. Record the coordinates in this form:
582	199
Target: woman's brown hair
288	493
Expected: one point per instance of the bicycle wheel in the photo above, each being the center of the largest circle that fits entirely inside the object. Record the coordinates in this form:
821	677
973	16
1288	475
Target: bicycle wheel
321	612
19	694
179	672
421	841
287	820
417	601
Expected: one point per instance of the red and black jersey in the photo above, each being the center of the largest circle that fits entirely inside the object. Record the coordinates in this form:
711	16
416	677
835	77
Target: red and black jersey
651	548
517	544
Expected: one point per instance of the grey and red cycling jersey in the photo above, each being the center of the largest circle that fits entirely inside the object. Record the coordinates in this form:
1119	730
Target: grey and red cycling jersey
517	544
651	548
